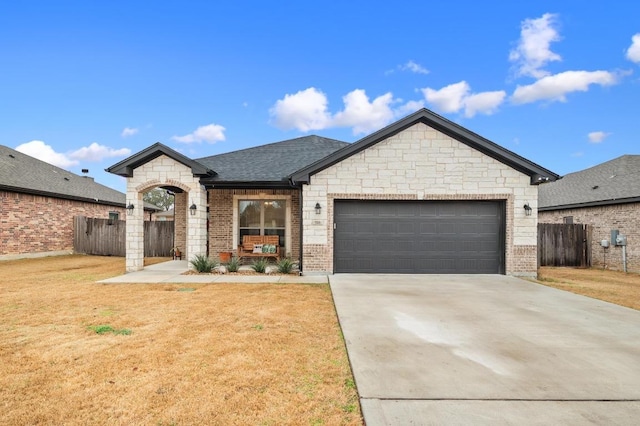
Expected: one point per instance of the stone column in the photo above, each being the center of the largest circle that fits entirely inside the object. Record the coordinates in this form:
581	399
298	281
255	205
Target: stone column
135	231
197	223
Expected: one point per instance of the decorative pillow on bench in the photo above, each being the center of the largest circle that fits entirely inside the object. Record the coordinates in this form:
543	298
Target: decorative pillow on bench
269	248
258	248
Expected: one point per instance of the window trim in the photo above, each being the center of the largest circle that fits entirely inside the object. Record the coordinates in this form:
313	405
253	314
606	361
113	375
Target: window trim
262	197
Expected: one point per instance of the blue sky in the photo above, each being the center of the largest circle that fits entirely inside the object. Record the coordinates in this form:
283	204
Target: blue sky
85	84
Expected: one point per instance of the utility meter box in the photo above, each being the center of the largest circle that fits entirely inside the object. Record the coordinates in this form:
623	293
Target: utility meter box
621	240
604	243
614	236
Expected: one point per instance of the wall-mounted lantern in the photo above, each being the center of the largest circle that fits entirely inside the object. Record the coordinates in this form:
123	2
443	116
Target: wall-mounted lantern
318	208
192	209
527	209
130	208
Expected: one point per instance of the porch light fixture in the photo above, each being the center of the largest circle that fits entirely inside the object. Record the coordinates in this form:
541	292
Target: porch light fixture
318	208
130	208
527	209
192	209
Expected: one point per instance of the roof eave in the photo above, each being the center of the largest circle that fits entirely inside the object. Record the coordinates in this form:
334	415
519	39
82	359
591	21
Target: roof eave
591	204
61	196
126	167
281	184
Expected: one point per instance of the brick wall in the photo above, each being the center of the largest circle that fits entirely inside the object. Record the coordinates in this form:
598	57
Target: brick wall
31	224
223	229
423	164
602	219
180	226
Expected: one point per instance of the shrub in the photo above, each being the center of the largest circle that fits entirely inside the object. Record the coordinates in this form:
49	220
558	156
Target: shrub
260	265
234	264
202	263
285	266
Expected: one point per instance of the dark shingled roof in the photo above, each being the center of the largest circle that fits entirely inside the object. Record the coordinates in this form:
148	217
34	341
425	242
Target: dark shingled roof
273	162
22	173
614	182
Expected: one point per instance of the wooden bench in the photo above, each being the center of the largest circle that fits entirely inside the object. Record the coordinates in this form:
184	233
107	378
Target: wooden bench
248	241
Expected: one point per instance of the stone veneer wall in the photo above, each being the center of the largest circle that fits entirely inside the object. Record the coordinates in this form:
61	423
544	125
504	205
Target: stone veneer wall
602	219
221	224
32	224
421	163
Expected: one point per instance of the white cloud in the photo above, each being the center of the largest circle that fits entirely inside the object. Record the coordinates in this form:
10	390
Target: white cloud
577	154
484	102
305	110
597	137
129	131
211	133
633	52
555	87
44	152
93	153
533	52
362	115
413	67
308	110
96	153
448	99
457	96
408	108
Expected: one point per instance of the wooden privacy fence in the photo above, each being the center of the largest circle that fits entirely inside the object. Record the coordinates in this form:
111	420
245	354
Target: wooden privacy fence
104	237
562	244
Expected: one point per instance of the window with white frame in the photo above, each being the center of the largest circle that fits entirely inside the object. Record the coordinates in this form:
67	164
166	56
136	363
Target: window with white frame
262	217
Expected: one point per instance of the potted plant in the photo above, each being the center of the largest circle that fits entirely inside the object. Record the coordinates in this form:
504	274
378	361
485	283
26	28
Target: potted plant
225	256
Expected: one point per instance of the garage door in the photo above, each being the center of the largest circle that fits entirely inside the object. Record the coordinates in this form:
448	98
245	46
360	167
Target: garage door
431	237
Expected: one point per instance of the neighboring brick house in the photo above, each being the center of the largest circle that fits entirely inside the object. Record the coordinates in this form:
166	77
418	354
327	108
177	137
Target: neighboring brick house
423	195
605	197
38	202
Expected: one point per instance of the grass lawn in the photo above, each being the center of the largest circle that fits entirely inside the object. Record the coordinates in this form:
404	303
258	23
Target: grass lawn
610	286
76	352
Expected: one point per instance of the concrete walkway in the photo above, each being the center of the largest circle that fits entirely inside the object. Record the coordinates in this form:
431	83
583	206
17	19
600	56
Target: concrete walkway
172	272
487	350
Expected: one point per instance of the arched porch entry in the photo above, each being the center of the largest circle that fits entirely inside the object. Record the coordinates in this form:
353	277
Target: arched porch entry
190	224
160	166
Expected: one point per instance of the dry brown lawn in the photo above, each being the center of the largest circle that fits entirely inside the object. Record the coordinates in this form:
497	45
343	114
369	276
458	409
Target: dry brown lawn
610	286
217	354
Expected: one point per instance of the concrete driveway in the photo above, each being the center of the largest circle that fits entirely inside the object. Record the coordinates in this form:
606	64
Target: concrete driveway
487	349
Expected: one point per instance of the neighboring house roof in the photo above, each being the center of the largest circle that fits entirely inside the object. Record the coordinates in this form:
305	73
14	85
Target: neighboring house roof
270	164
165	213
537	173
125	167
22	173
615	182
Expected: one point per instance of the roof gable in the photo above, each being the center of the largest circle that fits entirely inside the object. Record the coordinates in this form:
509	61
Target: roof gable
613	182
22	173
125	167
537	173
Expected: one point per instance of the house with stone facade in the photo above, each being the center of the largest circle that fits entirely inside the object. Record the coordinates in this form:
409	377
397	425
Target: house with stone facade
38	202
607	198
422	195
